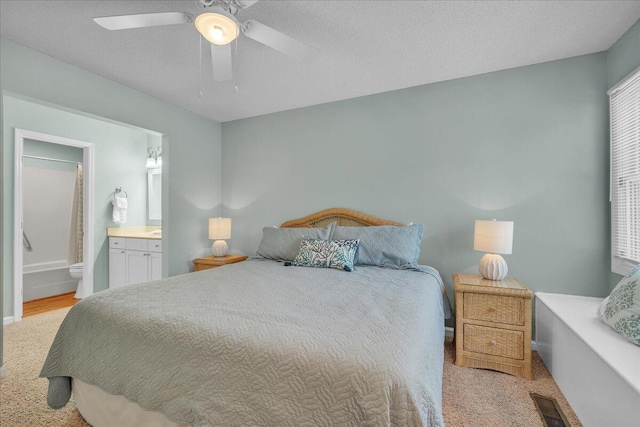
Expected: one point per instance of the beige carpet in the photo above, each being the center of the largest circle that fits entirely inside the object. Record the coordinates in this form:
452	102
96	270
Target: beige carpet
23	396
479	398
472	397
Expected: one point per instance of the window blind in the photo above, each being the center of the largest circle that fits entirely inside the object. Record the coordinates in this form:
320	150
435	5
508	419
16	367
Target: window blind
625	169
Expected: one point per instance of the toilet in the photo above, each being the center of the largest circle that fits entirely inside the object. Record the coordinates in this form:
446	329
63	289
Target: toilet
75	271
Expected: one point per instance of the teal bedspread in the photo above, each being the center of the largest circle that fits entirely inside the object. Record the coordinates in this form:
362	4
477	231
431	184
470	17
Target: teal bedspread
258	343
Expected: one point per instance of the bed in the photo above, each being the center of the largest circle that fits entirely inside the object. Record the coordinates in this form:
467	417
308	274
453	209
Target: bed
258	343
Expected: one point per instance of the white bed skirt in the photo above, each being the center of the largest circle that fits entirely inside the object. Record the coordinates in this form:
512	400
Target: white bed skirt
101	409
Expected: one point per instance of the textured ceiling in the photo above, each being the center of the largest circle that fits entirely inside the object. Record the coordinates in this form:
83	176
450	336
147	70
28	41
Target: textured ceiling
366	46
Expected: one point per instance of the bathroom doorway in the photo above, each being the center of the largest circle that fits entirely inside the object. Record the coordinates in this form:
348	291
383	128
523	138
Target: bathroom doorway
53	217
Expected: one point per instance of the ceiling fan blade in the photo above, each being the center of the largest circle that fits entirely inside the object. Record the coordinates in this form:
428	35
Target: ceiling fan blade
278	41
124	22
221	59
243	4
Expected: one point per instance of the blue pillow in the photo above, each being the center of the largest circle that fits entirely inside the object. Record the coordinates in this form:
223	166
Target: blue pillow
338	254
283	244
385	246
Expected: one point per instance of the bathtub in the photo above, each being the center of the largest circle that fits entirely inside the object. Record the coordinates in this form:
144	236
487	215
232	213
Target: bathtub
47	279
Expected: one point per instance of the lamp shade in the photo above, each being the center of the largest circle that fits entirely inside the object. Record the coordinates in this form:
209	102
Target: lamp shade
219	228
494	237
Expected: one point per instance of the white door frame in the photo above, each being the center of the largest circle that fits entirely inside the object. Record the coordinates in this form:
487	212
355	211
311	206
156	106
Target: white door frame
88	160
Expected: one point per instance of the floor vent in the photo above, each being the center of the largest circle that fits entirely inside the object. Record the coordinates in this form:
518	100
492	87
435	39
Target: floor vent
549	411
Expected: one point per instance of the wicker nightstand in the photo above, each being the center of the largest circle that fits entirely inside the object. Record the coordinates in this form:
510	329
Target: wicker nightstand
213	261
493	324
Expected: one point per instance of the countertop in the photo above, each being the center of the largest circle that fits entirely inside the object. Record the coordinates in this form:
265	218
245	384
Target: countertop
135	232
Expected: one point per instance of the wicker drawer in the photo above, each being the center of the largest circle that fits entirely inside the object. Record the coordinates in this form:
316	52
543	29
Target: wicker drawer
497	342
494	308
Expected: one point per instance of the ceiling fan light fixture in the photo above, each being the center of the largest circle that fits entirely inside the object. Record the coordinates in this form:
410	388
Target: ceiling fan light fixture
217	26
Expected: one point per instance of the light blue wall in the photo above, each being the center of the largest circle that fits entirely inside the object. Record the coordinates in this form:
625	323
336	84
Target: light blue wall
192	155
528	144
119	161
624	56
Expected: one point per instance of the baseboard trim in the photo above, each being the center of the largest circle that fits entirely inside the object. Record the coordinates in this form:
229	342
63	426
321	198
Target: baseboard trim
448	332
3	372
7	320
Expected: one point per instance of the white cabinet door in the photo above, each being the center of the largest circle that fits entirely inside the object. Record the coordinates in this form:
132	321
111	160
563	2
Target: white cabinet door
155	265
137	267
117	267
140	262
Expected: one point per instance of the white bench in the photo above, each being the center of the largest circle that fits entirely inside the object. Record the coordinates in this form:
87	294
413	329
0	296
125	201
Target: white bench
597	369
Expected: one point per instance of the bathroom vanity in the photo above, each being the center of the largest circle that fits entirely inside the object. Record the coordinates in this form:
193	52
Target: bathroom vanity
135	255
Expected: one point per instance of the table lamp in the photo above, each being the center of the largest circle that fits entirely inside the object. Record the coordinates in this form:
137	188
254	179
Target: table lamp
219	229
493	237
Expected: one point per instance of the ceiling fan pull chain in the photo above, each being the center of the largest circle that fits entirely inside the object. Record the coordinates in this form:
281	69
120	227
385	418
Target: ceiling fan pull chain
200	77
235	61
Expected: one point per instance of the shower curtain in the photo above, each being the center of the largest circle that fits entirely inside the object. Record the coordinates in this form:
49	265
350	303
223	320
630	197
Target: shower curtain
79	213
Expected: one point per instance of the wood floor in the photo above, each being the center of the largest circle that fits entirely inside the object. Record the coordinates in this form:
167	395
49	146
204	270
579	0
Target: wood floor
48	304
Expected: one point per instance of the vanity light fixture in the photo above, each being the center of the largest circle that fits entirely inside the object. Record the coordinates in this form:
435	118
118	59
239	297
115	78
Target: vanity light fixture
151	159
154	160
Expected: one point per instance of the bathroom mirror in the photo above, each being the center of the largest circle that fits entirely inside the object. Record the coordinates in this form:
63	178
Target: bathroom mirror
154	177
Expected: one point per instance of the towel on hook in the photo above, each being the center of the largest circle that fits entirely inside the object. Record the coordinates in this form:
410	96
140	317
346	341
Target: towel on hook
119	209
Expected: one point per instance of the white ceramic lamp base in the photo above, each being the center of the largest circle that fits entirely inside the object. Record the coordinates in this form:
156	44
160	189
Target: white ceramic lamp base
493	267
220	248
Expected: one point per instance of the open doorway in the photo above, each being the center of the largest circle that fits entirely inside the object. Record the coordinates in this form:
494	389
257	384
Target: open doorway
53	213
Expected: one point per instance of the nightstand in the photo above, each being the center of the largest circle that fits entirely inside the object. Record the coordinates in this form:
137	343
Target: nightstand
208	262
493	324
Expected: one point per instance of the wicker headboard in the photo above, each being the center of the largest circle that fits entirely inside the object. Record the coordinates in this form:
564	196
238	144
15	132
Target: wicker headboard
344	217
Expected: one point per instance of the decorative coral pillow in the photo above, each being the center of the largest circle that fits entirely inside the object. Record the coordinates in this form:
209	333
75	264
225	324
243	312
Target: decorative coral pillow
621	309
338	254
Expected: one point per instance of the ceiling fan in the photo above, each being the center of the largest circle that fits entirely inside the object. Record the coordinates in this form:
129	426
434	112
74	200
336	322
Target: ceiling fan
218	24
